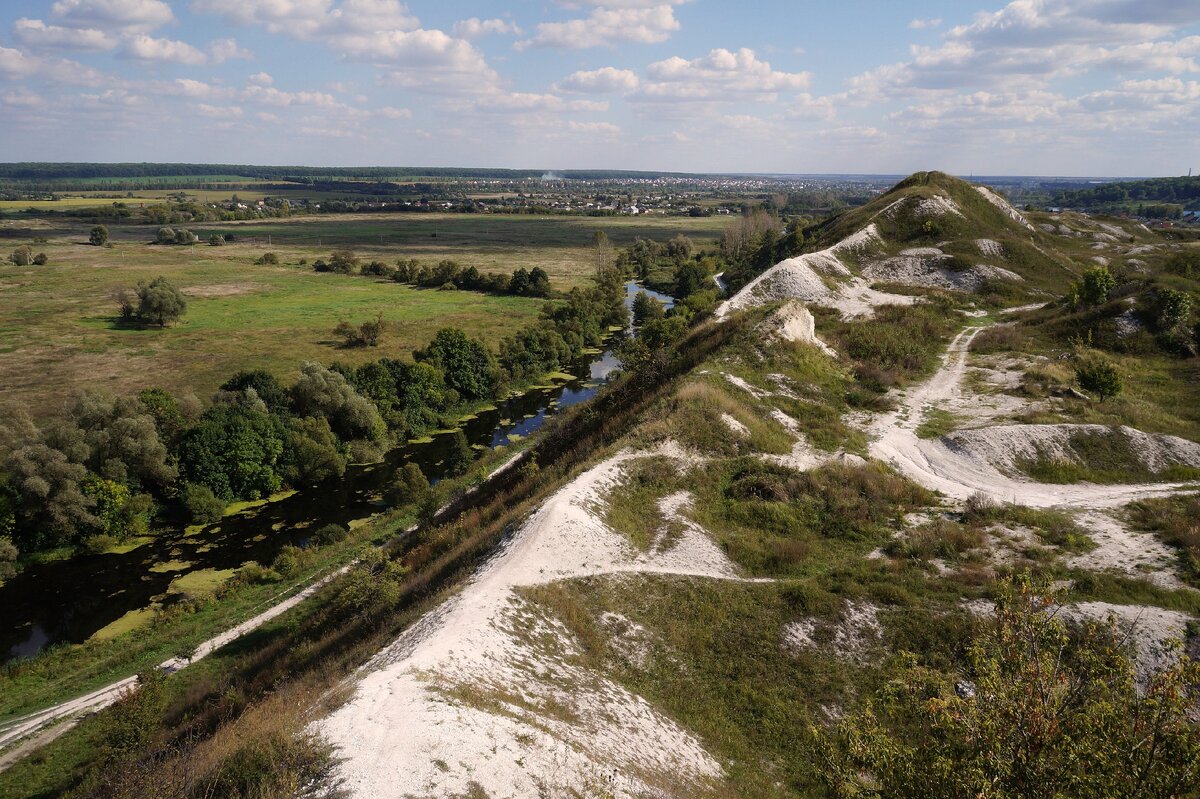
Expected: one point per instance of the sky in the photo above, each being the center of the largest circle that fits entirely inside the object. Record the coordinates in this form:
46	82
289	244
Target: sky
1029	87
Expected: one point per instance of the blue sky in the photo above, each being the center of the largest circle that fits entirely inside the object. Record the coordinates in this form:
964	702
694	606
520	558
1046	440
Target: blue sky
1049	87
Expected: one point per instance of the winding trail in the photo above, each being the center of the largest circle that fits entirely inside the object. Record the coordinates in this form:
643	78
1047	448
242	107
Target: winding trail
937	467
53	721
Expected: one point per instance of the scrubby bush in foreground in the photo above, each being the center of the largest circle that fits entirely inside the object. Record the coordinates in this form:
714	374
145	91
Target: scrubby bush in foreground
1039	713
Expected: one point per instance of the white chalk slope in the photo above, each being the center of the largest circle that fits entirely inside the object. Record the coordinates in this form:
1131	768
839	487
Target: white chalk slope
824	278
475	694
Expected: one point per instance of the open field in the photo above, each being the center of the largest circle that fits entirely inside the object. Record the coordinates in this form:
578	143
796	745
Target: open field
57	321
490	242
59	335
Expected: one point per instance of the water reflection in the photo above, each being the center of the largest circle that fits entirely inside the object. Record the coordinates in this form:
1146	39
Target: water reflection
69	600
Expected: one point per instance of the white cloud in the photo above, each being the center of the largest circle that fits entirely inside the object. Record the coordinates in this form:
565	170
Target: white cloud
147	48
128	16
523	102
606	129
19	65
720	76
332	133
223	50
619	3
607	27
267	95
305	19
35	33
598	81
924	24
1029	43
475	28
220	111
261	79
422	59
806	106
387	112
21	98
187	87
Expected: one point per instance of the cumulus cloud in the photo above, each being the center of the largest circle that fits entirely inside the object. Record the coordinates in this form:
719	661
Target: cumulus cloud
223	50
422	59
313	18
379	32
20	65
502	102
600	81
21	99
36	34
607	27
606	129
1029	43
387	112
722	75
619	3
268	95
261	79
475	28
923	24
220	111
127	16
147	48
188	87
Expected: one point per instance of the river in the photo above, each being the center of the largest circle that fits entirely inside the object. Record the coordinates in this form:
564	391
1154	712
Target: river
69	600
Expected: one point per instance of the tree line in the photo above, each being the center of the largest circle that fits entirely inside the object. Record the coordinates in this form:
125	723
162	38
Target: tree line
110	466
446	274
1185	190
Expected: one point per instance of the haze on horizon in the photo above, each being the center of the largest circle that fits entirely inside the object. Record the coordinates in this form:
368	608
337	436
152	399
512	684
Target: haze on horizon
1074	87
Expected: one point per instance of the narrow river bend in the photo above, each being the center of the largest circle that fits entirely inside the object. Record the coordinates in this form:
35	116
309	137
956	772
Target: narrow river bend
69	600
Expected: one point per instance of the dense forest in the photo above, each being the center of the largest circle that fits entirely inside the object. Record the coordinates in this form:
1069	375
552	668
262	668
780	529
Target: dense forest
1129	195
112	466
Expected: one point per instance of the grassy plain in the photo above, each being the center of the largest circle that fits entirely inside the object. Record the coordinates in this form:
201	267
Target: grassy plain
57	328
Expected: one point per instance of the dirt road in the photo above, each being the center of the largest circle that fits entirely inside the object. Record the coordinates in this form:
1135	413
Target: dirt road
53	721
935	466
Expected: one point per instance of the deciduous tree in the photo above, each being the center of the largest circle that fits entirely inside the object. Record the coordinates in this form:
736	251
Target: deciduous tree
322	392
160	302
468	366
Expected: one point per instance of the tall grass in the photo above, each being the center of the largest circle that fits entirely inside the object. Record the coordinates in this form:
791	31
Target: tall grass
310	650
900	343
1176	520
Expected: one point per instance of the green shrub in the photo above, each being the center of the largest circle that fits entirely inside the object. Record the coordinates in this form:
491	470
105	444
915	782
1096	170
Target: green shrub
1095	286
1041	716
202	504
252	572
1100	377
409	485
290	561
329	534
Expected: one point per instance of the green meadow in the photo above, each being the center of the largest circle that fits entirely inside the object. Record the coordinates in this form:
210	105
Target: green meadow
58	322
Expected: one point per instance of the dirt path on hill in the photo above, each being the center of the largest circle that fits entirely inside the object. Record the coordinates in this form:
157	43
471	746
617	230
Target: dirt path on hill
37	729
938	467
